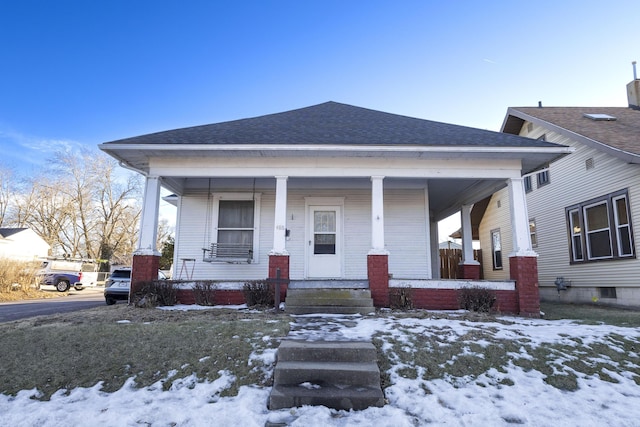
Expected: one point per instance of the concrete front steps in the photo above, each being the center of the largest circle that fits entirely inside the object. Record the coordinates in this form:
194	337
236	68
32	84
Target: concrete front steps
328	301
335	374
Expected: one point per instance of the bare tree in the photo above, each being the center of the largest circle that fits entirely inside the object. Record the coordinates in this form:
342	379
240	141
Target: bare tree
6	189
82	207
46	209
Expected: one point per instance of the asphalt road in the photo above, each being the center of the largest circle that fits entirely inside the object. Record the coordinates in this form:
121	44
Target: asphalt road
76	300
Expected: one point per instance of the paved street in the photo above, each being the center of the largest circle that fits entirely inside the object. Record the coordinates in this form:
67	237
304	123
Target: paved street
76	300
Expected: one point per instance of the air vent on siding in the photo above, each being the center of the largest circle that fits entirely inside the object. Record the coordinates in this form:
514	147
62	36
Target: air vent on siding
599	117
589	163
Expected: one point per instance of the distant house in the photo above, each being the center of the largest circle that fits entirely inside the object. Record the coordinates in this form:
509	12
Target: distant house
330	195
22	244
583	209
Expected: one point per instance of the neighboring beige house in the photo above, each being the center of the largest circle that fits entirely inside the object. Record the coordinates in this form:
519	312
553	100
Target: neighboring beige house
22	244
583	209
330	195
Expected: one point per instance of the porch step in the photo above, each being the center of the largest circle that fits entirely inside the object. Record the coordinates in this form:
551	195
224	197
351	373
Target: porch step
336	374
329	284
329	300
319	351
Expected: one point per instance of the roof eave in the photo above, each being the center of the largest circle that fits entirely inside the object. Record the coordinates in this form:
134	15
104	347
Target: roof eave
514	114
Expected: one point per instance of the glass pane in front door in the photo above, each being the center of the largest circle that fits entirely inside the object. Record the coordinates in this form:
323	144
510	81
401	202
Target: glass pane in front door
324	232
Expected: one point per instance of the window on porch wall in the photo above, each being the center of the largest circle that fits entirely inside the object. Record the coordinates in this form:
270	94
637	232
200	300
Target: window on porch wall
496	249
235	220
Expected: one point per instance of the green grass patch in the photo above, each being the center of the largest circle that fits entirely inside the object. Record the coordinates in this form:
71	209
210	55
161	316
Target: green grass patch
112	345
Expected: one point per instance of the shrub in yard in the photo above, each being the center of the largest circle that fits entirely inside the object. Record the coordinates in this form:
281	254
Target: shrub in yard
204	292
258	293
16	275
477	299
401	298
155	293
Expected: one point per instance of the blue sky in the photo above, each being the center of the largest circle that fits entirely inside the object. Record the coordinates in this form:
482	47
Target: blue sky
77	73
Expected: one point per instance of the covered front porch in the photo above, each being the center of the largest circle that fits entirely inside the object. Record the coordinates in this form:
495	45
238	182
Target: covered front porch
378	231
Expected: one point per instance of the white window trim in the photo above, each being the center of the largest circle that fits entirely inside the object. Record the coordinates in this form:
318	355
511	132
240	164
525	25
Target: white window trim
217	197
618	226
493	250
614	228
574	234
587	231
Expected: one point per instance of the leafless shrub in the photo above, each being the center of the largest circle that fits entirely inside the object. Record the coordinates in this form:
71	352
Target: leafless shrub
401	298
204	292
477	299
258	293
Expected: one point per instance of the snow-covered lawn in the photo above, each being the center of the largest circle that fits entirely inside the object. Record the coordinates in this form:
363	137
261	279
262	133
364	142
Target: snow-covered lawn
438	371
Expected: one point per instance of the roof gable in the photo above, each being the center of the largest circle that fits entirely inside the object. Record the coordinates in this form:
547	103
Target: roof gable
334	123
619	137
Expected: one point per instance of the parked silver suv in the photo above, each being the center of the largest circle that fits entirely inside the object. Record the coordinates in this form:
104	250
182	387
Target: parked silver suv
118	285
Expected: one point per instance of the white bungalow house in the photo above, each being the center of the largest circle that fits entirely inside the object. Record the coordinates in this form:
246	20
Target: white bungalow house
584	209
332	192
22	244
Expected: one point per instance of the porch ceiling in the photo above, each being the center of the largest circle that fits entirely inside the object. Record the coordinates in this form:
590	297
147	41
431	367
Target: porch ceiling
446	195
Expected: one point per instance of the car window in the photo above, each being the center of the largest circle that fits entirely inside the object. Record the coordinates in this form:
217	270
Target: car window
121	274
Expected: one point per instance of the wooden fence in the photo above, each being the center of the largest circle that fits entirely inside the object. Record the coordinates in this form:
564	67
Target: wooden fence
449	260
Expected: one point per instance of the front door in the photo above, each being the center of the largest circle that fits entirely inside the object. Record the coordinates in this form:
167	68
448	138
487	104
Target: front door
324	251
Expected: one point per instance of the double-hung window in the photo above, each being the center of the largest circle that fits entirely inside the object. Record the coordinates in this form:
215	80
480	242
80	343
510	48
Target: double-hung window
235	218
600	229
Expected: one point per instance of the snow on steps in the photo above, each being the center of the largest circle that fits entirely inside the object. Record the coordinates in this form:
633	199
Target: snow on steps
336	374
329	301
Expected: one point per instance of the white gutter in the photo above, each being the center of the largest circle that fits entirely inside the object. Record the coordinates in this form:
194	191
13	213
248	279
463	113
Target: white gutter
325	148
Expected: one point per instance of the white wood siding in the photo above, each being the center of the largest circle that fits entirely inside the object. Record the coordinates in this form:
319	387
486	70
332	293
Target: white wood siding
571	183
405	234
497	216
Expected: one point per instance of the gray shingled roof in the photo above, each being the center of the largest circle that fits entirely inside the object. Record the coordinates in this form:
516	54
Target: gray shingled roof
335	123
6	232
620	134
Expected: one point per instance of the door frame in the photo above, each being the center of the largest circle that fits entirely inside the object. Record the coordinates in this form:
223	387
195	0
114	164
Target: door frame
319	202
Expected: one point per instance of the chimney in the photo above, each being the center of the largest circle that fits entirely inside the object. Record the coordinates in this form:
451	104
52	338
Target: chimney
633	90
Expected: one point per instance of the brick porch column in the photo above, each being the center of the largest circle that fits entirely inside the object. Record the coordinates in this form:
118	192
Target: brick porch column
469	268
378	272
524	270
469	271
523	261
146	258
280	262
144	269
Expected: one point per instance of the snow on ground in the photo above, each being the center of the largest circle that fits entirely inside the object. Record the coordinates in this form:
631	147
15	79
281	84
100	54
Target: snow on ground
509	396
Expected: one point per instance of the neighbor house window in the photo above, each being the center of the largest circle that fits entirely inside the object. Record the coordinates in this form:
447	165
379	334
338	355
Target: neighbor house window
543	178
496	249
528	186
600	229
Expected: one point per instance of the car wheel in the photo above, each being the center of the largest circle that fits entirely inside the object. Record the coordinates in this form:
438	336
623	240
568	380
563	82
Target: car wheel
110	301
62	285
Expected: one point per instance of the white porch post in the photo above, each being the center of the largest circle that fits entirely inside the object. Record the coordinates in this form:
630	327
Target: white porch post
519	219
467	236
149	218
377	217
280	225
